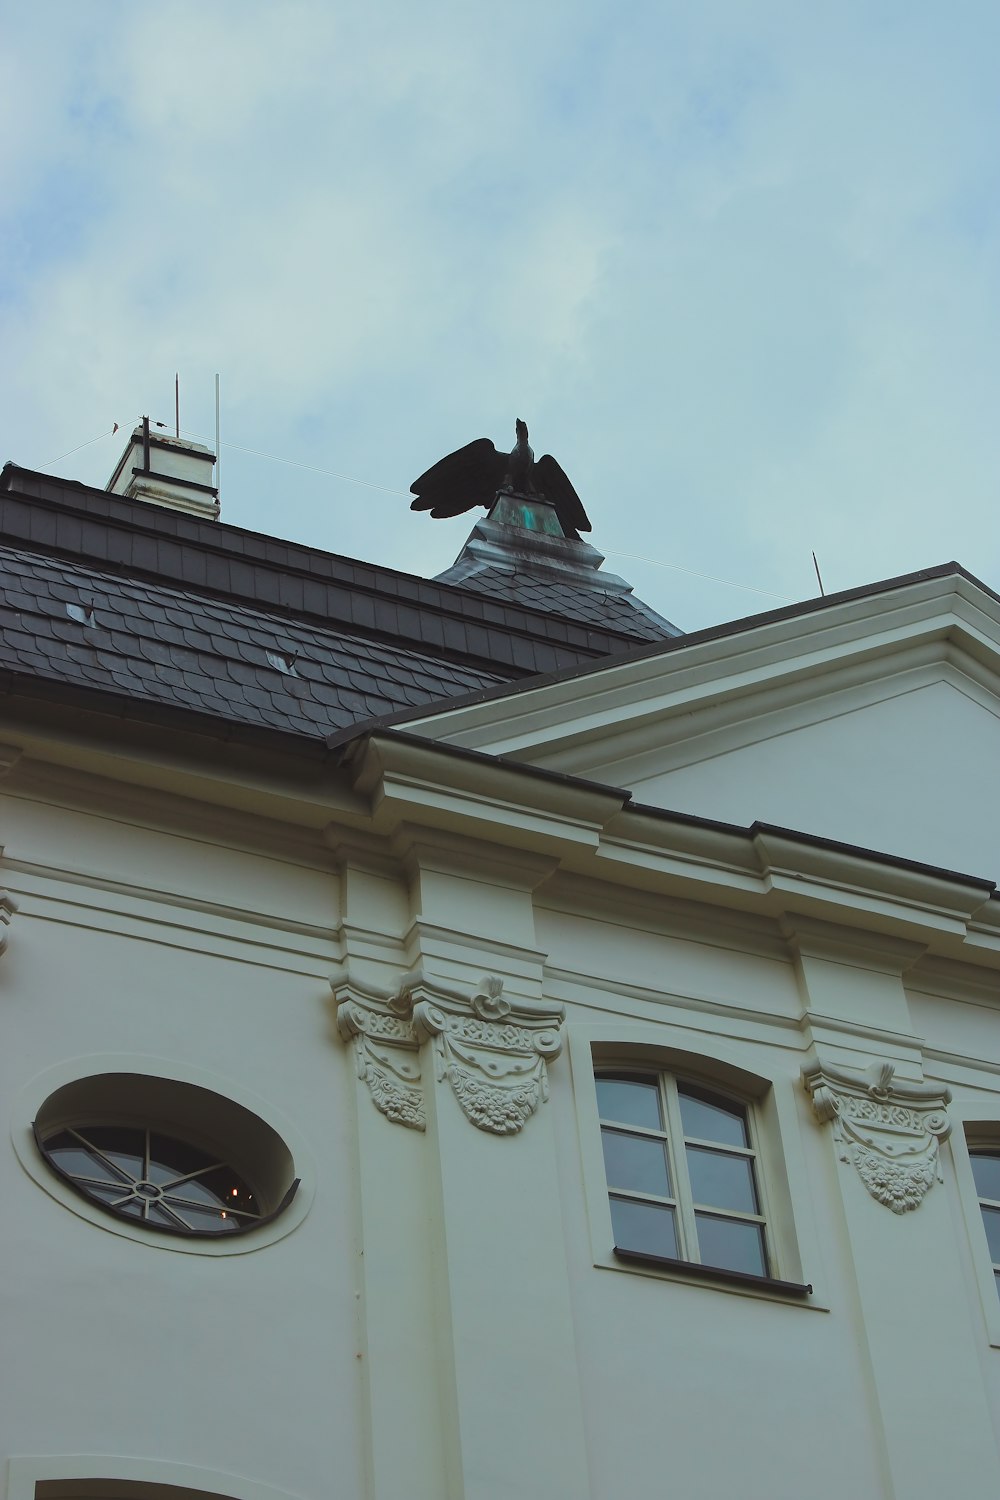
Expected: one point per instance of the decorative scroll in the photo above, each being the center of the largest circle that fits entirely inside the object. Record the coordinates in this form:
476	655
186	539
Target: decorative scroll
890	1131
8	906
492	1052
386	1048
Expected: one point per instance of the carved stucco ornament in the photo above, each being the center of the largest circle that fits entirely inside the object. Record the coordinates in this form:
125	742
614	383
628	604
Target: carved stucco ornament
386	1048
891	1131
8	906
493	1052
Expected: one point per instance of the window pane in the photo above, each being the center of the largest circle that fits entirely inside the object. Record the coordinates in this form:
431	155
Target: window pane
731	1245
198	1218
629	1102
109	1194
172	1159
986	1171
636	1162
996	1278
211	1188
991	1218
722	1181
644	1226
132	1207
72	1158
720	1121
159	1216
124	1146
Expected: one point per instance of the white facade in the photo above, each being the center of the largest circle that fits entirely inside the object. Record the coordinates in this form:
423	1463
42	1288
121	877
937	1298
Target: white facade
408	962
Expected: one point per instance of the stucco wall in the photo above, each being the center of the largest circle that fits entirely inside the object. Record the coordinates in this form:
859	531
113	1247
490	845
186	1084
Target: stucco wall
903	776
205	961
448	1317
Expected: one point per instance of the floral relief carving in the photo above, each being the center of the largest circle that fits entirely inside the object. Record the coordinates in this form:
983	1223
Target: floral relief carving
494	1058
891	1131
8	906
386	1051
494	1052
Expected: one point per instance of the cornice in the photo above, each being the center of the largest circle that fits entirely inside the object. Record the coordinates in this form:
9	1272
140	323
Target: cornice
398	786
855	947
956	980
170	803
685	734
401	779
709	668
76	760
646	910
450	853
804	875
761	870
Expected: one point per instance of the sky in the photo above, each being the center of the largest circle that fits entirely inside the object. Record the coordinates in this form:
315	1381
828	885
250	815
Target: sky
736	263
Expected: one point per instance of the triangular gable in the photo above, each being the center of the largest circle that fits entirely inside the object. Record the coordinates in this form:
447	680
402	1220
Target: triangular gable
872	718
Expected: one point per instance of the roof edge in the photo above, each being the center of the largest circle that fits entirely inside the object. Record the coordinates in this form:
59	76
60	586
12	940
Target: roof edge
667	647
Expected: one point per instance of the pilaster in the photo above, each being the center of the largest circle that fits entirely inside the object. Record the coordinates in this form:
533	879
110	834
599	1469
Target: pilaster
455	1058
885	1125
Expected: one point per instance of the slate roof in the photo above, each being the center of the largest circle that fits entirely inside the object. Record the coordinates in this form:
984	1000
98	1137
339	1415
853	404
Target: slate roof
616	612
62	518
100	594
178	648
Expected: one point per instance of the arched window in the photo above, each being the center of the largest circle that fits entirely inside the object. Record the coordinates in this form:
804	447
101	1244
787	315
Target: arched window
90	1477
986	1174
682	1175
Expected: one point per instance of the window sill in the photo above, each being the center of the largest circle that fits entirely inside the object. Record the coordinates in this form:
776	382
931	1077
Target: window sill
696	1272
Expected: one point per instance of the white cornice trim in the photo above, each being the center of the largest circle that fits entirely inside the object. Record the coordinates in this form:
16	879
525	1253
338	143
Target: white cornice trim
942	618
592	832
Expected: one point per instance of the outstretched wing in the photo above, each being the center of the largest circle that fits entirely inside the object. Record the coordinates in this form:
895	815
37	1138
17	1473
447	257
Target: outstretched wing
455	484
551	481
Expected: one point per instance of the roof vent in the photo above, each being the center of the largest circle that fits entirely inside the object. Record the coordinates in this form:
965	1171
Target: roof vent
167	471
83	614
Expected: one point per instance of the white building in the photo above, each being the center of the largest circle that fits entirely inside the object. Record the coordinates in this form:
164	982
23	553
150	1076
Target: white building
330	890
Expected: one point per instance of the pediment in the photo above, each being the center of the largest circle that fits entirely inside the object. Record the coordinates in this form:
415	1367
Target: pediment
873	721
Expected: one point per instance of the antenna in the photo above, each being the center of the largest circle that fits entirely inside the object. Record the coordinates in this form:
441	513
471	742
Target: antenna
218	445
177	403
818	578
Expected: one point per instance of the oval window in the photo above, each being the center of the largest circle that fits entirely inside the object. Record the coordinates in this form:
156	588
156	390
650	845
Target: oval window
164	1154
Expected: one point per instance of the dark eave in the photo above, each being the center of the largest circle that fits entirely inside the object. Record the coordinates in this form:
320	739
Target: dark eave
103	707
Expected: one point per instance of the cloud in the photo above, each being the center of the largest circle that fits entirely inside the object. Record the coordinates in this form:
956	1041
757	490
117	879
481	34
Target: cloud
736	265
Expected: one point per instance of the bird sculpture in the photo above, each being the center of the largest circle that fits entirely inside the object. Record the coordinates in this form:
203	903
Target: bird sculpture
477	473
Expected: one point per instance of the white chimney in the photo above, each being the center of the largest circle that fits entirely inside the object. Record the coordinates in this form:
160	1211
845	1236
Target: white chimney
167	471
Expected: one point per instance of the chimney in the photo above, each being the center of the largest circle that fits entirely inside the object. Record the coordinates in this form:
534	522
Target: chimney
167	471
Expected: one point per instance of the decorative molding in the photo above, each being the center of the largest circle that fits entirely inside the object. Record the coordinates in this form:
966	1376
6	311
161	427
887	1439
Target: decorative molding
386	1048
8	906
891	1131
493	1051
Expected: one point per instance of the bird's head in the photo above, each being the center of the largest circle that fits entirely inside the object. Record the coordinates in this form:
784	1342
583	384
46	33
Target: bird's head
521	429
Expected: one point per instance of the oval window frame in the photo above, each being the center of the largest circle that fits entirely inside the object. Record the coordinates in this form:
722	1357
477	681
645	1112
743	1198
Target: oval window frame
30	1105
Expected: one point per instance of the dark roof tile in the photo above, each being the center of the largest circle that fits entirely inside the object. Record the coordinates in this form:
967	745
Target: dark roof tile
175	648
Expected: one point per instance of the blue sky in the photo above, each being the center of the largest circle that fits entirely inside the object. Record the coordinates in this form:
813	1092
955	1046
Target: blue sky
737	265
